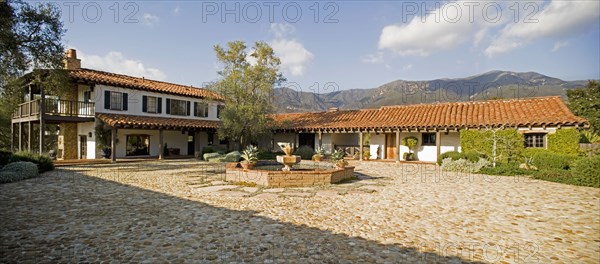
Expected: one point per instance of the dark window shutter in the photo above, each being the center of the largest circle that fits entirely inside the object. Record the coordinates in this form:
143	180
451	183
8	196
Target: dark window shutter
106	99
144	104
168	106
159	107
187	107
125	102
195	108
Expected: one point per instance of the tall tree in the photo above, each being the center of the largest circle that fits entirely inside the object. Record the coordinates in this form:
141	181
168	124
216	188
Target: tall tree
585	102
247	83
30	38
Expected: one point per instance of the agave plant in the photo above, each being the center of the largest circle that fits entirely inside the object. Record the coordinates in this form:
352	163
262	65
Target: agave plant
320	150
338	155
250	154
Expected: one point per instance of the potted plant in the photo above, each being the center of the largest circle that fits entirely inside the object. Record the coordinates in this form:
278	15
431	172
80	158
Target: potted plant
250	156
367	155
411	143
319	153
338	158
103	139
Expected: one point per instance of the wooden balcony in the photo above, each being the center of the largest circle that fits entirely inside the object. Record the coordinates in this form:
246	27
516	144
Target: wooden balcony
54	110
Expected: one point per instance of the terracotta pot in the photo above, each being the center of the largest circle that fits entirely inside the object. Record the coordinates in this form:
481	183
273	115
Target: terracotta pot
317	157
248	166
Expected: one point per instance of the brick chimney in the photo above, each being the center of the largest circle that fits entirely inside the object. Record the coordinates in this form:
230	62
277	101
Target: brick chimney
71	61
333	109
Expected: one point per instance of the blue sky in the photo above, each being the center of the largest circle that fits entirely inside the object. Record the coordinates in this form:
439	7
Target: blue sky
351	44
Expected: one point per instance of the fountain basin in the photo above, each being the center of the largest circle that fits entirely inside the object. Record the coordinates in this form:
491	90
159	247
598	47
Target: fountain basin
273	177
288	161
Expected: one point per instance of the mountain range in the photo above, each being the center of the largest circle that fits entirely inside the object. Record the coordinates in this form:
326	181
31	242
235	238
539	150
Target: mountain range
489	85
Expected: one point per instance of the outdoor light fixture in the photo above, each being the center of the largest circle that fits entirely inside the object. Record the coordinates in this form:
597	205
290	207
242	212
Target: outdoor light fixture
89	134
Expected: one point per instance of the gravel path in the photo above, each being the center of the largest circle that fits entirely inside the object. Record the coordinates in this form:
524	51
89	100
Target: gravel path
181	211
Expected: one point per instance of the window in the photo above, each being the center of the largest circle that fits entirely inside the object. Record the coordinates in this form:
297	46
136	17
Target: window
116	101
87	95
535	140
137	145
219	110
428	139
151	104
178	107
200	109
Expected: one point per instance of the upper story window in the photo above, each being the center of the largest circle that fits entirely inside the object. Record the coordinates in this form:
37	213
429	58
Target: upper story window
535	140
87	96
151	104
178	107
200	109
220	110
428	139
115	100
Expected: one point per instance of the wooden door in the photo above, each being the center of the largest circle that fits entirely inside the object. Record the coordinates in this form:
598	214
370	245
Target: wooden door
390	143
82	147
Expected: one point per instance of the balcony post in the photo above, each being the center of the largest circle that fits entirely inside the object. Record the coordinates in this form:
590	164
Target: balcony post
360	145
20	135
29	137
41	130
438	143
113	145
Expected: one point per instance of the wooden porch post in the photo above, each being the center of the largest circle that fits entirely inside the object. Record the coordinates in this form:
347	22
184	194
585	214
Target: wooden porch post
20	136
160	144
29	137
12	137
438	143
320	139
41	132
113	145
398	145
360	145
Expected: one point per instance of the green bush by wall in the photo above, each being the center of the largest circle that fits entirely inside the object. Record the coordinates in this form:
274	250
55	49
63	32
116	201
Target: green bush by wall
44	163
564	141
586	172
305	152
509	143
17	171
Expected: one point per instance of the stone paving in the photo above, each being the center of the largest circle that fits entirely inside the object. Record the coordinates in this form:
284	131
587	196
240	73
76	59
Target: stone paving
182	211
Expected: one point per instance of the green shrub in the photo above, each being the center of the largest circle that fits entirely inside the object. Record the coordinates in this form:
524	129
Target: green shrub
463	165
548	160
564	141
5	157
555	175
208	156
17	171
454	155
586	171
217	159
305	152
205	150
233	156
44	163
471	156
267	155
506	169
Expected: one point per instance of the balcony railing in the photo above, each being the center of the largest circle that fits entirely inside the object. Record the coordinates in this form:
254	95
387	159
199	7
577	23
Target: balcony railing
55	107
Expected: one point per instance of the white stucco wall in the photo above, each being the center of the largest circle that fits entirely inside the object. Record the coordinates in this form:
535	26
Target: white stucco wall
377	142
450	142
289	138
327	144
134	99
344	139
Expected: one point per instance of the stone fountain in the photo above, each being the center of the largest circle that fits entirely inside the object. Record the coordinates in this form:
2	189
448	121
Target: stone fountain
288	160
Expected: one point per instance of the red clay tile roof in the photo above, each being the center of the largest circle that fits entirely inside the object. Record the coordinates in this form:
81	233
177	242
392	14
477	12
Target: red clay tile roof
541	111
133	121
119	80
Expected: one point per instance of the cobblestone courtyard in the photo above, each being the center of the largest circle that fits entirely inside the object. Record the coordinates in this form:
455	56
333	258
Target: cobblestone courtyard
181	211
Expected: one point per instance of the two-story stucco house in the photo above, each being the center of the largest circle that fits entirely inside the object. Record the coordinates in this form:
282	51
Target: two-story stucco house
145	115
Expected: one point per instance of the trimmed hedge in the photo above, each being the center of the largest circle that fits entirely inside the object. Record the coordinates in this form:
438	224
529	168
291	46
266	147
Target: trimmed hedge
544	160
586	171
44	163
506	169
564	141
305	152
463	165
455	155
17	171
212	155
233	156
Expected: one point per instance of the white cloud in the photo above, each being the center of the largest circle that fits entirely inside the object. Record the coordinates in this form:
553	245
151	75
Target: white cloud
114	61
294	56
559	44
176	10
149	19
441	29
373	58
407	67
557	20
